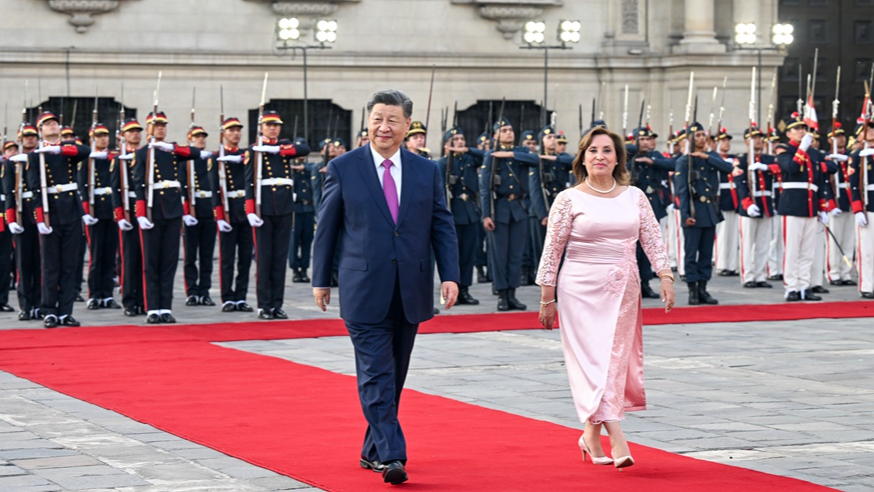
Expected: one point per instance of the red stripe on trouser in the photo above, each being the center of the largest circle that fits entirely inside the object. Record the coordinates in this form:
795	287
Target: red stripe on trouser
859	254
90	258
143	256
740	227
121	256
784	250
184	259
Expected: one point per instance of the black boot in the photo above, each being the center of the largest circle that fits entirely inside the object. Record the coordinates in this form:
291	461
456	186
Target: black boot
481	277
513	302
647	292
703	295
525	276
297	278
503	303
464	297
303	276
693	294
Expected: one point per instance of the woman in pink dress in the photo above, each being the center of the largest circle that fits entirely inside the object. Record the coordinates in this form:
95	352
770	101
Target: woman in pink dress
598	224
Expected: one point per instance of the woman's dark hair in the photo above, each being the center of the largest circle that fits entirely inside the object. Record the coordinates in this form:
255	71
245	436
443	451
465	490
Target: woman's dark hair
620	173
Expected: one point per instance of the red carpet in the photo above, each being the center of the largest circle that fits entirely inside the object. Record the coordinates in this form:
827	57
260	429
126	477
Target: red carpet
306	423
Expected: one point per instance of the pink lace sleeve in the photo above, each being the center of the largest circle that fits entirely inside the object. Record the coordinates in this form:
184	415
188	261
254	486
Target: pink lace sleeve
558	230
651	236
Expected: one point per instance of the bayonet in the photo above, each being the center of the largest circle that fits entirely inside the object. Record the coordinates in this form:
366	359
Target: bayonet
223	179
91	177
150	172
689	139
428	112
625	115
259	156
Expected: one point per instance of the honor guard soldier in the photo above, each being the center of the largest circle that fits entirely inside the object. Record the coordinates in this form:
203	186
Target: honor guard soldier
483	276
200	238
561	144
862	186
753	184
26	236
530	257
131	276
235	234
484	141
460	165
362	139
503	189
58	211
273	226
95	181
842	222
727	231
319	174
415	139
801	202
168	187
696	178
304	218
67	134
7	255
528	139
775	249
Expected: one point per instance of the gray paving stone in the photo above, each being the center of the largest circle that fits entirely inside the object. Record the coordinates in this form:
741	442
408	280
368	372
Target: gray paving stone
27	482
75	460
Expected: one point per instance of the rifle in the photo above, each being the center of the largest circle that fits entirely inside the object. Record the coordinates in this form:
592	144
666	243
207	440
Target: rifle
544	176
448	181
91	176
625	115
444	119
73	119
835	103
150	171
799	104
771	97
122	166
454	114
601	101
43	183
632	167
223	179
428	112
721	106
19	171
259	156
712	111
751	151
495	180
581	121
689	139
189	164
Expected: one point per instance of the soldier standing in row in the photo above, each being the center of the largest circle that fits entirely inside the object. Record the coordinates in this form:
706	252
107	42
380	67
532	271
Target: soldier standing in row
727	231
546	181
862	186
842	221
200	238
753	184
7	255
304	218
131	275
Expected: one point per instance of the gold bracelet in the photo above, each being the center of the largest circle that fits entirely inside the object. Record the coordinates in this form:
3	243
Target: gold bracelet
547	302
668	275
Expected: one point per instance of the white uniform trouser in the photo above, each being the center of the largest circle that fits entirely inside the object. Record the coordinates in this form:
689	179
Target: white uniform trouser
667	226
843	227
678	243
816	268
775	251
755	236
727	247
865	254
798	250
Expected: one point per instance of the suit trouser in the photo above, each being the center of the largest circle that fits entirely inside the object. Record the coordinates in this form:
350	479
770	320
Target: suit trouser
843	228
5	266
382	357
818	265
755	235
509	243
199	242
131	268
727	238
798	246
865	254
302	240
27	258
698	244
271	246
678	243
160	259
60	251
101	263
467	241
236	244
775	250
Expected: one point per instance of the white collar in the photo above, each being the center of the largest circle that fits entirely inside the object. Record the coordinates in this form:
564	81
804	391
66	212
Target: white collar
377	159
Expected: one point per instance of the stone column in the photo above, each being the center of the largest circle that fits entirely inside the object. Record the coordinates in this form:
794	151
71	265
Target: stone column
699	35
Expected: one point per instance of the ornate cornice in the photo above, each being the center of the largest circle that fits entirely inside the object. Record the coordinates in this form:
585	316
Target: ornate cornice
82	10
510	15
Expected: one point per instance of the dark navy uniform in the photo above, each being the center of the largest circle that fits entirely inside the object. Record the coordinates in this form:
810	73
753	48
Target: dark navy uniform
131	274
7	258
200	238
304	219
862	205
27	257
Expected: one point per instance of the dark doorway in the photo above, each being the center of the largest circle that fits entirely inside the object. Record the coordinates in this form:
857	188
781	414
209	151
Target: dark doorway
77	113
326	120
523	115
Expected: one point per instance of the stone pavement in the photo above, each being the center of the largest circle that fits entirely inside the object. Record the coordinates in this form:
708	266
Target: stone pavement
790	398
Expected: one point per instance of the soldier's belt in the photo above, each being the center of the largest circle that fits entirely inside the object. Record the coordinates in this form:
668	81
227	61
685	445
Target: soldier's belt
27	194
277	181
102	191
800	186
236	194
465	197
870	187
762	193
843	185
160	185
2	198
62	188
705	199
203	194
724	186
512	197
131	194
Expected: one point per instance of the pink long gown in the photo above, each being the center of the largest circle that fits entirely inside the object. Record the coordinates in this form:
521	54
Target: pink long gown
599	306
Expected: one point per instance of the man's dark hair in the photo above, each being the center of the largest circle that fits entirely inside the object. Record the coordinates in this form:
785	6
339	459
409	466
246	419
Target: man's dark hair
391	97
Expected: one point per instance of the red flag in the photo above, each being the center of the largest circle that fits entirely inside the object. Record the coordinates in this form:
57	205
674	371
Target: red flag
810	114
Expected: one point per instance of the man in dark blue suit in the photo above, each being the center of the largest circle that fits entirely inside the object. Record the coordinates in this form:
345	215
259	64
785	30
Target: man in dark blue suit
385	208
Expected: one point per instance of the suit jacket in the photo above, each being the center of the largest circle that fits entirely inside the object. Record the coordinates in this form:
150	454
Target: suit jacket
374	252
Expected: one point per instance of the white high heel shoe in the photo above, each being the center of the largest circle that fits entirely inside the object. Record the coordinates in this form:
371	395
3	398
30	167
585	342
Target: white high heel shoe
603	460
623	461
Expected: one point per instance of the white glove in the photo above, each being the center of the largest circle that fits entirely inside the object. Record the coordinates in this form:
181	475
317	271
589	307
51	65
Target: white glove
98	155
805	142
51	149
753	211
867	152
231	158
145	223
838	157
205	154
166	147
125	225
43	228
19	158
861	219
758	166
89	220
126	157
670	208
223	226
254	220
823	217
836	211
270	149
189	220
14	228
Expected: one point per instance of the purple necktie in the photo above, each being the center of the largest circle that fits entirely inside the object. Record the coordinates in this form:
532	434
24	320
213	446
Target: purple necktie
390	190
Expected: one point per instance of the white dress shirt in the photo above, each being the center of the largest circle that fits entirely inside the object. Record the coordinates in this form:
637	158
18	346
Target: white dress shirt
395	169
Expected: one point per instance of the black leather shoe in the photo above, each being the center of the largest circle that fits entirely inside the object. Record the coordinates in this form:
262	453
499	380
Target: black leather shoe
836	282
371	465
111	304
79	298
436	311
394	473
848	282
297	278
513	302
694	299
303	276
191	301
464	297
206	301
503	303
793	296
50	322
705	296
279	314
93	304
750	285
808	295
6	308
69	321
229	307
646	291
818	289
481	277
130	312
265	314
868	295
167	318
778	276
244	307
153	319
764	285
725	273
23	316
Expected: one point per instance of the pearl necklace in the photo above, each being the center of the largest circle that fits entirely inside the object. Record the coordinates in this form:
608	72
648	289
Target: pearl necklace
601	191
